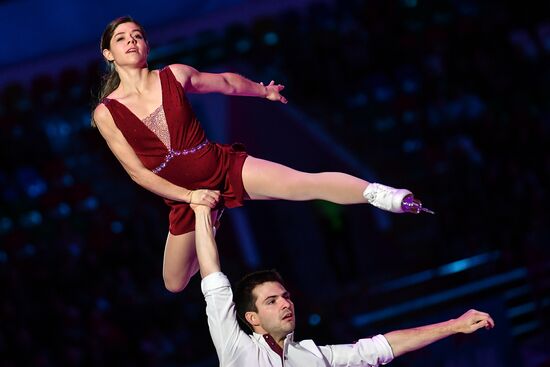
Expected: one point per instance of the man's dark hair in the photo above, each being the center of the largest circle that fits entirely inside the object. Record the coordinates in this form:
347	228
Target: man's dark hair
243	297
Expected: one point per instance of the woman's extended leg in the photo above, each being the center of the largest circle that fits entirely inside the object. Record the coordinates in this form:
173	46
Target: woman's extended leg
267	180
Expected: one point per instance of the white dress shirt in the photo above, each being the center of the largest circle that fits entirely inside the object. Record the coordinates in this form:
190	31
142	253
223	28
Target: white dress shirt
235	348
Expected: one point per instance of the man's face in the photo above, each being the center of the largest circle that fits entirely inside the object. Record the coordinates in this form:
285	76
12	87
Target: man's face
275	314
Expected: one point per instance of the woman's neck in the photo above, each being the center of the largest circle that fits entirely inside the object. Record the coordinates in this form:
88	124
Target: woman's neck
134	81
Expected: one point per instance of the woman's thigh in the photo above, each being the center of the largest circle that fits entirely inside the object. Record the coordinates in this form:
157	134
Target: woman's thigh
265	180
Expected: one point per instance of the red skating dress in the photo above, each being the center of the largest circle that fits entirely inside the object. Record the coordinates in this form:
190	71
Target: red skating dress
171	143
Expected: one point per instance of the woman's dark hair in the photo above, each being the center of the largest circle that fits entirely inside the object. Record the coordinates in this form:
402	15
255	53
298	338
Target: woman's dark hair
110	80
243	295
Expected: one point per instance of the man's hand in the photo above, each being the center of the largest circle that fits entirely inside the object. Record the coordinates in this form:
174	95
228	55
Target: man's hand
274	92
471	321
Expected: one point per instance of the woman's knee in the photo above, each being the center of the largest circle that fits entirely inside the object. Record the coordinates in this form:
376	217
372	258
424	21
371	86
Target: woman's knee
176	284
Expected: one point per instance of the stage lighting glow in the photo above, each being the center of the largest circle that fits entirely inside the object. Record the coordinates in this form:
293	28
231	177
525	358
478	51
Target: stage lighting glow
5	224
90	203
243	45
67	180
74	249
314	319
29	250
31	218
63	209
117	227
271	38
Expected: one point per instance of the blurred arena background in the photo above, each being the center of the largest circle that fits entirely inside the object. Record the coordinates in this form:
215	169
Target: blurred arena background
448	98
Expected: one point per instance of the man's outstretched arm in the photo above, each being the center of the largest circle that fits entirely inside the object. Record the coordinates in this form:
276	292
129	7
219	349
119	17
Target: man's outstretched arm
207	251
407	340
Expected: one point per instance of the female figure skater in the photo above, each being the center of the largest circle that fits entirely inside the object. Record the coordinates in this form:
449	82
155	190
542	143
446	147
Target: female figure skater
148	124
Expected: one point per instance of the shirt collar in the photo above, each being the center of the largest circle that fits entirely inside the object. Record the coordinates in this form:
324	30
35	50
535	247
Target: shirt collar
273	344
269	340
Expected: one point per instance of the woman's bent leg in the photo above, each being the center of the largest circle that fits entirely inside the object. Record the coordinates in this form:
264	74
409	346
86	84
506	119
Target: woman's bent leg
180	261
180	258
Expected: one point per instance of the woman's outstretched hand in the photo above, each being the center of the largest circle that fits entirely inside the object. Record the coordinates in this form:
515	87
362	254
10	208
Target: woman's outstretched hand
274	92
205	197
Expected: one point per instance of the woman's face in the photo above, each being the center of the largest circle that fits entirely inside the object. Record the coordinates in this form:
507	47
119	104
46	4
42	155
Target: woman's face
127	46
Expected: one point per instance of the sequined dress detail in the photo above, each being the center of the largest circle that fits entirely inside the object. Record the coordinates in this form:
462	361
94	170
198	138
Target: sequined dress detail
156	122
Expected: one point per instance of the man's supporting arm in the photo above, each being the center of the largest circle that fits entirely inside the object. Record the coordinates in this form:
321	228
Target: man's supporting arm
207	251
230	341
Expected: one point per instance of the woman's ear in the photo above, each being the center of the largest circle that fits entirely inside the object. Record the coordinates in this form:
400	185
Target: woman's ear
108	55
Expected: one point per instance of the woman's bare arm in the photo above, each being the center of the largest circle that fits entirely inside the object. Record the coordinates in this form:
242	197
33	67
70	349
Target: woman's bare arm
138	172
195	81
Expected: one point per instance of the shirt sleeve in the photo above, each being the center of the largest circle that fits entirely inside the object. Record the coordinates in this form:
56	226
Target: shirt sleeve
366	352
229	340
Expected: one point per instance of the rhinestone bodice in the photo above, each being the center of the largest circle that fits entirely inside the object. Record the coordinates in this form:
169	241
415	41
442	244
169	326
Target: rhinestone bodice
156	122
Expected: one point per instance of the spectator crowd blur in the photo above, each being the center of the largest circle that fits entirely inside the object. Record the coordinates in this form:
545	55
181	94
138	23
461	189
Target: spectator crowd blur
450	98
